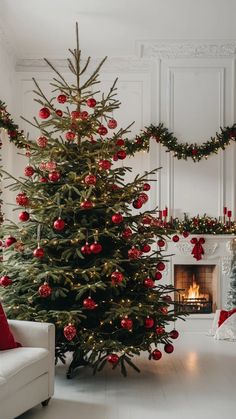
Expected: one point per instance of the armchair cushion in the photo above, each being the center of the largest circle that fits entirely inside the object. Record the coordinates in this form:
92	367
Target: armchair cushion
7	340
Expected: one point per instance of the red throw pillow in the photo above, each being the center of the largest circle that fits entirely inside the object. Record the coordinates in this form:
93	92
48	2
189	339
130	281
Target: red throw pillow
7	340
224	314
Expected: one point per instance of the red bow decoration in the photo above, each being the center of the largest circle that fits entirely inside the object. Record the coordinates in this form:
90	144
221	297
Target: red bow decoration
198	250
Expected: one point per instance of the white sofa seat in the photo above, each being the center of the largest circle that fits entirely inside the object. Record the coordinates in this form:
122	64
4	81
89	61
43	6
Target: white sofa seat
27	372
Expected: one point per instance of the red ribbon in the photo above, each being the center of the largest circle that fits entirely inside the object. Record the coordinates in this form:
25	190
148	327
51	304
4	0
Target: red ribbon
198	250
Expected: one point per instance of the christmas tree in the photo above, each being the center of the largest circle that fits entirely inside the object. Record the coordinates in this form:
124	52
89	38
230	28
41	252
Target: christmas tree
82	255
231	298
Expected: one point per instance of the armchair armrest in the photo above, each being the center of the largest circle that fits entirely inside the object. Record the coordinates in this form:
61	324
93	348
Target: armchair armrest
33	334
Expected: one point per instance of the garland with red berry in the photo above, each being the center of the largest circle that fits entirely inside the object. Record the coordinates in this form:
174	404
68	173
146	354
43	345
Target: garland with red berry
202	225
141	142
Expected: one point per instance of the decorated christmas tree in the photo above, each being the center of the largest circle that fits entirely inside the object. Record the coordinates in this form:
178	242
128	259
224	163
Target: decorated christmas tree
231	297
83	255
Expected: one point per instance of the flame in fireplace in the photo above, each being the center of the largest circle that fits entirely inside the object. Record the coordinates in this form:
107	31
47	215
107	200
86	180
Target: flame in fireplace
193	291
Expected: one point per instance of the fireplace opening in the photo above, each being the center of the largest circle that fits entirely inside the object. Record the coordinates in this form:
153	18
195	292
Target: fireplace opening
197	288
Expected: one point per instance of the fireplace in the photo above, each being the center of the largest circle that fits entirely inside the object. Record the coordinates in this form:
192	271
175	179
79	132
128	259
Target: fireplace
197	287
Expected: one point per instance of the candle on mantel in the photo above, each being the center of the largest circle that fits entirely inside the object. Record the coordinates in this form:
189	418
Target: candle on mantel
225	213
229	213
160	214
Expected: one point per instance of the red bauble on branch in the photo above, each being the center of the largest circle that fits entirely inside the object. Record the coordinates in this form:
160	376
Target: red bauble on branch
126	323
146	187
149	322
148	283
168	348
117	277
86	249
45	290
54	176
43	180
9	241
143	197
84	115
185	234
120	142
59	224
86	204
61	98
89	303
70	135
175	238
44	113
29	171
134	253
158	275
24	216
75	115
160	330
113	359
117	218
102	130
161	266
174	334
104	164
22	199
90	180
137	204
69	332
5	281
96	248
38	253
161	243
50	166
121	154
42	141
156	354
127	233
146	248
112	124
59	112
91	102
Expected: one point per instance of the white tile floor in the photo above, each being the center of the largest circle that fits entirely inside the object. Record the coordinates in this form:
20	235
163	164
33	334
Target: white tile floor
197	381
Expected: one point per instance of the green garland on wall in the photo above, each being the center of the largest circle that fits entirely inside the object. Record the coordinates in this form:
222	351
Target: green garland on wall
142	141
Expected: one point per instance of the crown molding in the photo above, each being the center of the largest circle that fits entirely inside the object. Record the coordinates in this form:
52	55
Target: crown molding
112	65
186	49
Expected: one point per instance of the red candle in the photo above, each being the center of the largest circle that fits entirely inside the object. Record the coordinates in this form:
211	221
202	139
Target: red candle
166	211
225	210
229	214
160	214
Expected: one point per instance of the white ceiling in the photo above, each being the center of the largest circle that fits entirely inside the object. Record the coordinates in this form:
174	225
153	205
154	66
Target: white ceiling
37	28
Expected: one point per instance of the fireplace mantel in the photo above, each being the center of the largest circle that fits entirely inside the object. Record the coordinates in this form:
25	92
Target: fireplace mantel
217	251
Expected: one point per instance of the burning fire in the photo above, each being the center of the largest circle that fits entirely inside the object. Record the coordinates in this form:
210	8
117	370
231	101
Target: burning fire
194	292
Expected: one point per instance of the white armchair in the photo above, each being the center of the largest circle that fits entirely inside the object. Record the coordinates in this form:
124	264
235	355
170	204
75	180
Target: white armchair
27	373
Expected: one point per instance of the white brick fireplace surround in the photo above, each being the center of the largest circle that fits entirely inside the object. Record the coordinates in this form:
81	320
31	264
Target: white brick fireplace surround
217	252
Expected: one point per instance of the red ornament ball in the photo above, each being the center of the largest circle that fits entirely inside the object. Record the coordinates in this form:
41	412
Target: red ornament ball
175	238
84	115
137	203
42	142
54	176
59	112
38	253
102	130
113	359
44	113
45	290
149	322
91	102
164	310
174	334
117	218
59	224
23	216
185	234
126	323
160	330
168	348
120	142
161	266
50	166
89	303
9	241
143	197
86	249
158	275
86	204
167	298
29	171
156	354
43	180
61	98
5	281
134	253
75	115
104	164
96	248
121	154
127	233
148	283
161	243
112	124
146	187
69	332
146	248
90	180
22	199
117	277
70	135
